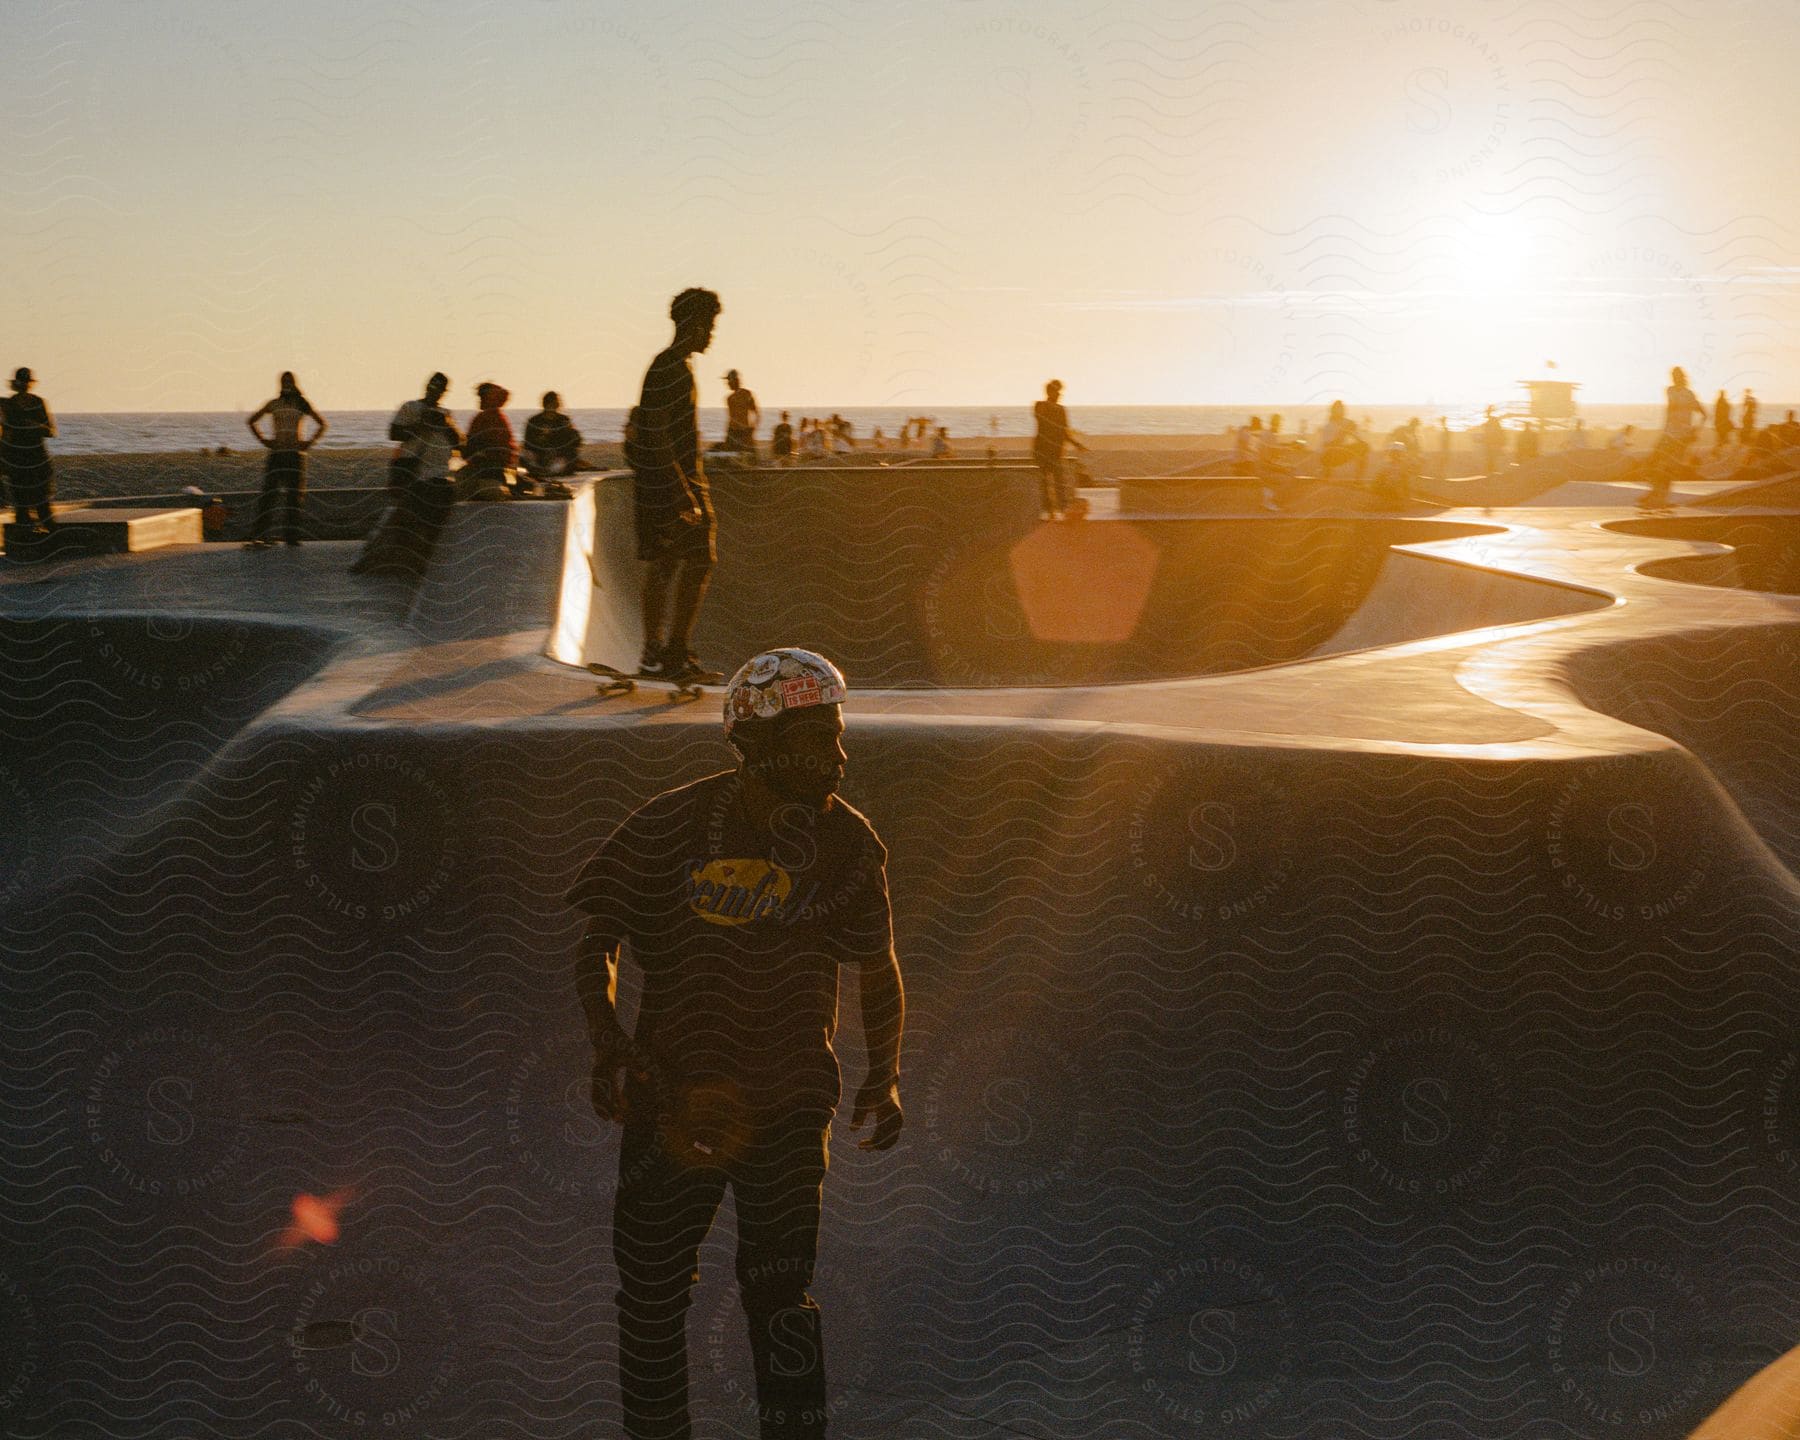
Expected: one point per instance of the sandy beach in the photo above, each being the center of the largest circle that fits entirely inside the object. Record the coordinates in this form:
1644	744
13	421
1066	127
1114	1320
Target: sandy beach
90	477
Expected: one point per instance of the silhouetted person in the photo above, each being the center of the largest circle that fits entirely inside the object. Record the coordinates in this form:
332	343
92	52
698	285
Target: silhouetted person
488	449
1493	442
1247	443
1048	445
781	441
1527	447
1339	444
1622	442
26	424
284	469
1404	462
1578	437
742	415
552	444
1682	412
675	526
1722	426
418	484
739	897
1444	442
940	444
1748	426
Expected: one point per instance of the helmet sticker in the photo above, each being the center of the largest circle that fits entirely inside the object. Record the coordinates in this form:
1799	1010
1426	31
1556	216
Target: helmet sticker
780	680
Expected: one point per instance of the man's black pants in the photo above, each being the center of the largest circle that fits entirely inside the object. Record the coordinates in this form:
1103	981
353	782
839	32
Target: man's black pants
669	1190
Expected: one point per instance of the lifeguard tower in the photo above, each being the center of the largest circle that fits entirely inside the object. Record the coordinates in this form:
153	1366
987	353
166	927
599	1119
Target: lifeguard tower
1550	402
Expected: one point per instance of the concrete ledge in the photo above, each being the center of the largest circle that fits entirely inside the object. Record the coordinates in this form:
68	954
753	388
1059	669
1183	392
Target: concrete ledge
95	530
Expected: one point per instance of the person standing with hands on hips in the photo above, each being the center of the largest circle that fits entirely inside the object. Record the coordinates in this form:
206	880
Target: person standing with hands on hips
284	468
739	897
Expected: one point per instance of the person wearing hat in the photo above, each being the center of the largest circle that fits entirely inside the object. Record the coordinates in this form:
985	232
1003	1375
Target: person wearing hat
25	424
742	416
740	897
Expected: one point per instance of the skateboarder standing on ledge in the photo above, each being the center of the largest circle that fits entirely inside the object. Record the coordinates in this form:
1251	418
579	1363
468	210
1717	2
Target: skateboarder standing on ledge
675	526
741	896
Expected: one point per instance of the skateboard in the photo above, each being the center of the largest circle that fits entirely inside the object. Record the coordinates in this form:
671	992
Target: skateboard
615	682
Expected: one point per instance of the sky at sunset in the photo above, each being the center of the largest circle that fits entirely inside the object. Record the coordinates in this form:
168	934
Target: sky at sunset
941	201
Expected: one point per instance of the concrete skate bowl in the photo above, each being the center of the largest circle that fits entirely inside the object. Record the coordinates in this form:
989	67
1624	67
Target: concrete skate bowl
1764	550
1731	696
1328	1131
925	580
1276	1087
105	716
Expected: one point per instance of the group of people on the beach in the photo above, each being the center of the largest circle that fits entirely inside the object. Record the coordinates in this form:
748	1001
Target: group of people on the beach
815	438
1263	454
496	466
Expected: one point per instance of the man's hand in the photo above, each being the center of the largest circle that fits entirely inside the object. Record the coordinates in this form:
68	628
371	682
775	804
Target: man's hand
615	1055
879	1100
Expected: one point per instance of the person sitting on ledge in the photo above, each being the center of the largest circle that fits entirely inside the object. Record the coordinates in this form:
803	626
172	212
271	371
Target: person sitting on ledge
488	449
940	444
552	445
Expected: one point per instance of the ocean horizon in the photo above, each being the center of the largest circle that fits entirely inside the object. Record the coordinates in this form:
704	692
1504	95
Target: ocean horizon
176	432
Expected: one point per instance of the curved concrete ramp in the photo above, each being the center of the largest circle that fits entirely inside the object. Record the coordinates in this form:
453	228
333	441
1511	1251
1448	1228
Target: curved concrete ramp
965	589
1396	1043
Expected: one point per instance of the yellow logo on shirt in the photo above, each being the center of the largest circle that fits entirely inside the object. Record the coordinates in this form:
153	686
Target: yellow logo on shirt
735	892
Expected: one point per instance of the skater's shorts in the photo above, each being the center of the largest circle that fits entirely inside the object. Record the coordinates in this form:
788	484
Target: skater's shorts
667	536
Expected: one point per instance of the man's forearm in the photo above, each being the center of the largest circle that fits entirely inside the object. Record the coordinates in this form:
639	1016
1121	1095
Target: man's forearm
884	1017
597	982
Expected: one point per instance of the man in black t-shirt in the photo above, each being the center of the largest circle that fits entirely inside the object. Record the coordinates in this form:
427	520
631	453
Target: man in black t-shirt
740	897
675	529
